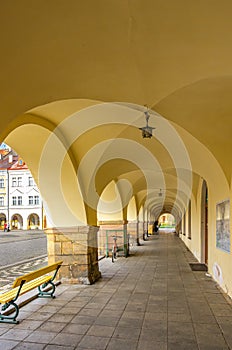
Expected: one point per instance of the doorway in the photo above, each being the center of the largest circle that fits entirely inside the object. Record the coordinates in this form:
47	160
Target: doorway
204	223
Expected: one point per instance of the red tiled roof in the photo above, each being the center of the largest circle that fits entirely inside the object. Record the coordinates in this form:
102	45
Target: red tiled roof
14	164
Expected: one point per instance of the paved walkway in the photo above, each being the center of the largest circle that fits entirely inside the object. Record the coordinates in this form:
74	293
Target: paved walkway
151	300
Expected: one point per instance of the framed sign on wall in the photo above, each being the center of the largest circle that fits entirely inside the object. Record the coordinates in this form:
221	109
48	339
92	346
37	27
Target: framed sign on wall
223	225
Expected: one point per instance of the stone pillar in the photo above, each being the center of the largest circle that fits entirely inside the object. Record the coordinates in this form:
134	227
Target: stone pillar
141	230
133	232
77	247
118	228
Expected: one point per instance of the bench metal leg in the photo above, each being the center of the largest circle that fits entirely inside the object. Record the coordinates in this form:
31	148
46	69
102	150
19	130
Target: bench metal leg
9	319
47	293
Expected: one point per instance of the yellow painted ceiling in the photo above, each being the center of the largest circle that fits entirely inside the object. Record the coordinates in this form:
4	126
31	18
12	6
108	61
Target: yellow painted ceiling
58	57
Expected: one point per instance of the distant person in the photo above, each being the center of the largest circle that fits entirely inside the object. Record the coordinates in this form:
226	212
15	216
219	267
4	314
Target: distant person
156	226
8	227
5	227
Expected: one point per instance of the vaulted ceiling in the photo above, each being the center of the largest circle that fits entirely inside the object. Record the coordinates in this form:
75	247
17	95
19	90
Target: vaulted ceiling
59	57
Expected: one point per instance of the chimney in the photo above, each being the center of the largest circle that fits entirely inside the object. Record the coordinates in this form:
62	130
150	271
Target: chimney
10	158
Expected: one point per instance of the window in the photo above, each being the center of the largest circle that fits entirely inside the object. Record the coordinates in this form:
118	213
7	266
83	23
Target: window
17	200
33	200
20	181
1	183
20	200
30	181
14	183
1	201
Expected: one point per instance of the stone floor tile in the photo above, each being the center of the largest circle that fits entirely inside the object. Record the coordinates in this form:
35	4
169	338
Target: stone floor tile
106	321
211	347
130	322
50	326
115	306
101	331
16	334
224	320
203	318
39	316
180	317
221	309
92	342
177	310
89	312
70	310
76	328
29	346
154	334
149	317
213	298
156	309
210	339
76	303
30	324
67	339
183	345
58	347
124	333
79	319
152	345
133	314
81	348
49	308
111	313
138	307
207	328
59	317
33	306
7	344
3	330
125	344
179	332
40	337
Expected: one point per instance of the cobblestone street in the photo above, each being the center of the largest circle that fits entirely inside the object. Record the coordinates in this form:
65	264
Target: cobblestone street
8	275
17	246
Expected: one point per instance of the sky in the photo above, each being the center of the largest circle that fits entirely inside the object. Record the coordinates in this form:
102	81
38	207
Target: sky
3	145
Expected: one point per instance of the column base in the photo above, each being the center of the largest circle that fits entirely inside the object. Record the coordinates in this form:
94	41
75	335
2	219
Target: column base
77	247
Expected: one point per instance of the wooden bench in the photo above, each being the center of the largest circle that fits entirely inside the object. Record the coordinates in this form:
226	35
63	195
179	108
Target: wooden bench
40	279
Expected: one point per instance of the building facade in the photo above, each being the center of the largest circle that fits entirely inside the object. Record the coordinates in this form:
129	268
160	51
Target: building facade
21	205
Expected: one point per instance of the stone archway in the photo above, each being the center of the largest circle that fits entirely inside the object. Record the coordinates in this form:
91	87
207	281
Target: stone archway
167	221
16	222
2	220
33	221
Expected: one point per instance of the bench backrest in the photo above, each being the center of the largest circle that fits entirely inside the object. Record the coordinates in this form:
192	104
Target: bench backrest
38	273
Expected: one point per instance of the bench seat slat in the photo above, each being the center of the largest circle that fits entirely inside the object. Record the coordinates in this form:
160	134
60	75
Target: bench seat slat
8	296
23	284
35	274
